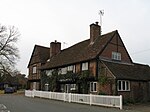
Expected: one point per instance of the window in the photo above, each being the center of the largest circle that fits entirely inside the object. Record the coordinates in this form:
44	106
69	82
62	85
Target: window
123	85
93	86
73	87
64	70
116	56
85	66
49	72
46	87
34	69
71	68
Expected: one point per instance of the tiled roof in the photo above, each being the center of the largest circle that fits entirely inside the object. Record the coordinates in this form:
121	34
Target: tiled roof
129	71
42	55
79	52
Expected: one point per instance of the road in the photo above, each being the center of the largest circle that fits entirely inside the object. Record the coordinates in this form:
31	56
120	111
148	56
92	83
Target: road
20	103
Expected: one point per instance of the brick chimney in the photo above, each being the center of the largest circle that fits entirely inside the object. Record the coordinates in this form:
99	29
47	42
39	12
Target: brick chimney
55	48
95	31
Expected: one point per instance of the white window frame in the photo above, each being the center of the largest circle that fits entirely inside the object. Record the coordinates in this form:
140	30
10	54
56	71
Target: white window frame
64	70
71	68
126	86
116	56
85	66
93	86
49	72
72	86
34	69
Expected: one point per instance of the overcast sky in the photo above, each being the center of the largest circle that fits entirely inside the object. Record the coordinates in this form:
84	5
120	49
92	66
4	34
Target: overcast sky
43	21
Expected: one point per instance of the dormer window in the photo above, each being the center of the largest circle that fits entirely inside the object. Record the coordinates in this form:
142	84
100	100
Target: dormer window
116	56
85	66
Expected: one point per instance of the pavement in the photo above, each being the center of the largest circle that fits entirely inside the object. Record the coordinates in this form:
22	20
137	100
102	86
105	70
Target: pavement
139	107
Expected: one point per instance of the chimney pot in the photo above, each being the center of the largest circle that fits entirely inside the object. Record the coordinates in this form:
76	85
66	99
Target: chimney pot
96	23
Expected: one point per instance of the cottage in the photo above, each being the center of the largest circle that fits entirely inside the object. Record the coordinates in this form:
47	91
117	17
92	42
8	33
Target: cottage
99	65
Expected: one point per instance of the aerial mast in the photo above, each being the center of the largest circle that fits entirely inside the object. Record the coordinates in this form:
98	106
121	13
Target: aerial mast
101	13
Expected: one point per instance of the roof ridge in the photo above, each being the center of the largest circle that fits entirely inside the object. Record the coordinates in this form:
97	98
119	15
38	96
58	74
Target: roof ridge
41	46
75	45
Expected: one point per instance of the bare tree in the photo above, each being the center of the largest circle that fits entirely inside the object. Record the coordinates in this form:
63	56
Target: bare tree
9	53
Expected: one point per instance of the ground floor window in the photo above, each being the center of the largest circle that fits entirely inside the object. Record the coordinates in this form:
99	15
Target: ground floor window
73	87
68	87
93	86
123	85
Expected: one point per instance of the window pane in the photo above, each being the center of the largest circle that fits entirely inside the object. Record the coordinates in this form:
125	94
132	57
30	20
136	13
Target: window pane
70	68
94	88
91	86
85	66
116	56
119	85
127	85
34	69
123	85
64	70
119	56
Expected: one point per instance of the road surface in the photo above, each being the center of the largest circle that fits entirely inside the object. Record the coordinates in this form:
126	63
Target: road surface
20	103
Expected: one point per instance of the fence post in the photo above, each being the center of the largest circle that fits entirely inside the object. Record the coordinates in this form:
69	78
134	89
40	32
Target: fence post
50	95
40	94
33	92
121	102
69	97
90	99
64	96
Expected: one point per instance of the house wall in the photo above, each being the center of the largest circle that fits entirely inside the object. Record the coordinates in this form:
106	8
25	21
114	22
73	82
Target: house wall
78	67
106	81
92	67
138	92
35	85
116	45
34	76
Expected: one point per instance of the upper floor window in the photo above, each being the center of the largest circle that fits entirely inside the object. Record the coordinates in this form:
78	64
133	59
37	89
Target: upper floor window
49	72
71	68
123	85
116	55
34	69
85	66
64	70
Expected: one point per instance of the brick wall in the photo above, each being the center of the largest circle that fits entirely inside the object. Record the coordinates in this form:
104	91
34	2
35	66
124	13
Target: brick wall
116	45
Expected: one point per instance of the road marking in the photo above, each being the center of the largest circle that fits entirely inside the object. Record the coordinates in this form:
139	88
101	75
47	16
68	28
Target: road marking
3	108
